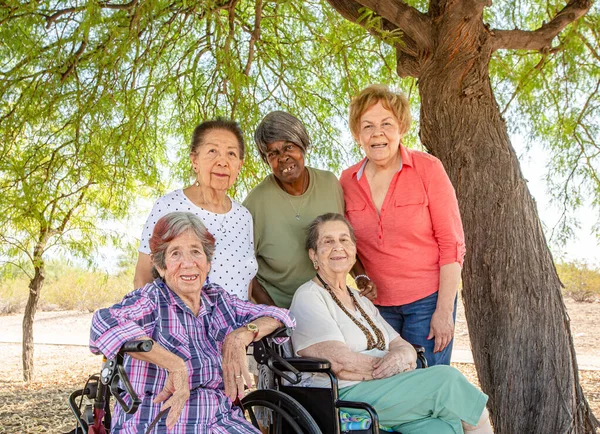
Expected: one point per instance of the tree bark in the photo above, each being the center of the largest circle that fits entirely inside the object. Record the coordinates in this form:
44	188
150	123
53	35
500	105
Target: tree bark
35	286
518	323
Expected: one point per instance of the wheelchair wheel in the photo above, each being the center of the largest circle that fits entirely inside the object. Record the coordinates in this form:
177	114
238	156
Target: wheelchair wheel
286	415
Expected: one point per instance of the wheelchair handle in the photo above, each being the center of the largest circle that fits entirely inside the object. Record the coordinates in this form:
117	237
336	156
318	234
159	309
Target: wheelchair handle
276	358
138	346
114	390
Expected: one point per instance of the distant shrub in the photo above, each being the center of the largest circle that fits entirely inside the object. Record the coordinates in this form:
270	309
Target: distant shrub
67	287
581	281
13	294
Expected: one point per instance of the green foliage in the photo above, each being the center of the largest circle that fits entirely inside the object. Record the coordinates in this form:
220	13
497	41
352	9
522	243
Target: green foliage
580	279
552	98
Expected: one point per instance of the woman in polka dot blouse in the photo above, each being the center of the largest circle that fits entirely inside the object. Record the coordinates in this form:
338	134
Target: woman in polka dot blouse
216	153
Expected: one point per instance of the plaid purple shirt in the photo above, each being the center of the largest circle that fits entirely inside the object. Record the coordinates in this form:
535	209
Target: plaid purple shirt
157	312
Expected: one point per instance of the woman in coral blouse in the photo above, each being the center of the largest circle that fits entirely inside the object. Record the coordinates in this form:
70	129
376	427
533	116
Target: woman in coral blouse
409	233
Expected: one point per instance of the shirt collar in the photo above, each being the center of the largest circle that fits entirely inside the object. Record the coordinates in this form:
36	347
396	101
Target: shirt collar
173	299
406	159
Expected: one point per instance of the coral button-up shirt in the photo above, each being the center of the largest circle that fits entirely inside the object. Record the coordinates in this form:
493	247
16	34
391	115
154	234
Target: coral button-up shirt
417	231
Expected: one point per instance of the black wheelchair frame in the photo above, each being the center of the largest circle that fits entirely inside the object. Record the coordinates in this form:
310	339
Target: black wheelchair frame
290	409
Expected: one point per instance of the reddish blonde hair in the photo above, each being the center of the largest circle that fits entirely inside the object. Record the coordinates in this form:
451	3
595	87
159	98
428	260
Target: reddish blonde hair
397	103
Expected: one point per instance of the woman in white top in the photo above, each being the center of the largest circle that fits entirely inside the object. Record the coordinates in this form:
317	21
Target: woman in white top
216	153
372	362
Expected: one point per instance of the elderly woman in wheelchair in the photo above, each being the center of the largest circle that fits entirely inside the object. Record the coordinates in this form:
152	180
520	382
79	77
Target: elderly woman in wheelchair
371	361
197	364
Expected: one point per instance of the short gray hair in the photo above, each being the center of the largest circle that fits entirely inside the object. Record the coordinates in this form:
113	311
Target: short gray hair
280	125
172	225
312	232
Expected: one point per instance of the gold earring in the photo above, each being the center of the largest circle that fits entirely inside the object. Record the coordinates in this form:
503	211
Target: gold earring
197	183
316	264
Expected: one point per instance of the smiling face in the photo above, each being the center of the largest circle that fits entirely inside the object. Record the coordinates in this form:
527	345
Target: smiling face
216	160
186	266
336	251
379	135
286	161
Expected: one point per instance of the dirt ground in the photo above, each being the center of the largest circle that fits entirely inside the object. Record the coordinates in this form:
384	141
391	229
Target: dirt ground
41	406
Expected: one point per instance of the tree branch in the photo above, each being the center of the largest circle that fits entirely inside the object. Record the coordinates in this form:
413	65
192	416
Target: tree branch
541	39
401	16
254	36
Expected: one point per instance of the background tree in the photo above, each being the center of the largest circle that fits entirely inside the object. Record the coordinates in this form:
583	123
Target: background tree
168	64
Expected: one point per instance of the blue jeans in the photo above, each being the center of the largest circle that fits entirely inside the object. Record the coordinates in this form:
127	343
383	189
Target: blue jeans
412	322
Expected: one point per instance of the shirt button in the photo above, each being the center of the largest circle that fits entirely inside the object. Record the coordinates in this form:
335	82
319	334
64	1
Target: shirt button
379	236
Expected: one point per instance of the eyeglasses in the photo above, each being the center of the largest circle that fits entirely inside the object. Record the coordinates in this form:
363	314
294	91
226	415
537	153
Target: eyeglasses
287	148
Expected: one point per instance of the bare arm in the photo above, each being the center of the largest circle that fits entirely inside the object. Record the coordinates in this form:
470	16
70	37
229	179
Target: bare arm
259	294
235	363
143	271
442	323
345	363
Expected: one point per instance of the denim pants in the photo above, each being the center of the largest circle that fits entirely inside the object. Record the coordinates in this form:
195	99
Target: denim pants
412	321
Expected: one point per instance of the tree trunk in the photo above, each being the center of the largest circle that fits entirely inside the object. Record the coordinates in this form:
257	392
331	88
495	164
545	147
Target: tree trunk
518	324
35	286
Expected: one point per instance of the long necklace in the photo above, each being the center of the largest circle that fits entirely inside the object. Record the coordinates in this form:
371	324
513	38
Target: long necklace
304	187
371	343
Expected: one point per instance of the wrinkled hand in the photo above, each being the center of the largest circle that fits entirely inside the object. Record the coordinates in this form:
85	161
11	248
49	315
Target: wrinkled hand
367	288
395	362
235	365
442	329
178	389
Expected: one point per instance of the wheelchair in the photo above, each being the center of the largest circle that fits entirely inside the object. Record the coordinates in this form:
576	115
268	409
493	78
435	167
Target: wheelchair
285	409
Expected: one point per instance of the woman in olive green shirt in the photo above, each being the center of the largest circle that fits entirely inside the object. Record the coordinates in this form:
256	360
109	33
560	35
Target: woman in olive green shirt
283	205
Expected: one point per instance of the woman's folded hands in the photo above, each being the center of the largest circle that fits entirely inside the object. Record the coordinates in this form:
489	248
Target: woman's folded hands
395	361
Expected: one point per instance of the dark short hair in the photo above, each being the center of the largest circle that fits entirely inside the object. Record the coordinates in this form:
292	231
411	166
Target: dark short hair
172	225
312	233
218	124
279	125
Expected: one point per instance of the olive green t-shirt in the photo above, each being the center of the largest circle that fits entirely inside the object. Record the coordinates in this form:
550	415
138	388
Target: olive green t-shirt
279	238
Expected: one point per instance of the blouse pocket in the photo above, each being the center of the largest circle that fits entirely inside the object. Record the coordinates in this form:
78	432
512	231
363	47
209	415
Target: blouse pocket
411	211
176	342
356	213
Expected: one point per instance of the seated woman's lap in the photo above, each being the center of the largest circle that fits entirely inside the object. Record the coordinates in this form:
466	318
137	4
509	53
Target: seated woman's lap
439	392
413	320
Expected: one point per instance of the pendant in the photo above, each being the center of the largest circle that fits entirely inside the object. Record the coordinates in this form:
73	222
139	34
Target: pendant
222	230
297	216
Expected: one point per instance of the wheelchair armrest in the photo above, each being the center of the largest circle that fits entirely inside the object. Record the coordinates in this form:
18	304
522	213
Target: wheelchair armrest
281	332
306	364
420	354
362	406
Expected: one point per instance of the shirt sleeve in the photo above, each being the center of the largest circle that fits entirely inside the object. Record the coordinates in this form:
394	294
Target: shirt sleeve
315	323
133	318
445	215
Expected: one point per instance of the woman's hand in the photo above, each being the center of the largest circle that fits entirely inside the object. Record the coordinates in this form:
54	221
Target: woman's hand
176	392
235	363
367	287
394	362
441	328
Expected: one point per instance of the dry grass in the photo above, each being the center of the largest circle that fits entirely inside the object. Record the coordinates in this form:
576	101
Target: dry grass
41	406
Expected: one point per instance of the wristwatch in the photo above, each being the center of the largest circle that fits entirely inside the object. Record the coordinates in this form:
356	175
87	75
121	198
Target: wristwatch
252	328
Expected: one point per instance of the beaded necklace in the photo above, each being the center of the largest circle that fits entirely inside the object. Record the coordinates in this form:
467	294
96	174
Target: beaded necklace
380	344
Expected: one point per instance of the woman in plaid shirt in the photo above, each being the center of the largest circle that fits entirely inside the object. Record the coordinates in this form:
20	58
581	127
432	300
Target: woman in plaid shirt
197	365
